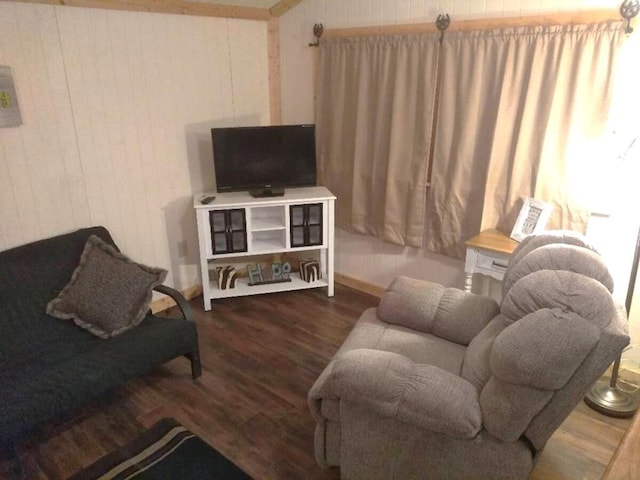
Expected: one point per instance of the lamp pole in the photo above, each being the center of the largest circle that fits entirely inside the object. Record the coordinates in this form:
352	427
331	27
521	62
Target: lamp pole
606	396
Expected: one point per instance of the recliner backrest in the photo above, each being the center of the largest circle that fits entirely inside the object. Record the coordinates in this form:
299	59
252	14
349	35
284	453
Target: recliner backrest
557	332
558	317
533	242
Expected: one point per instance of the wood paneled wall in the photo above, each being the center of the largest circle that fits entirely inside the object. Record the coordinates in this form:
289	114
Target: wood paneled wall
117	109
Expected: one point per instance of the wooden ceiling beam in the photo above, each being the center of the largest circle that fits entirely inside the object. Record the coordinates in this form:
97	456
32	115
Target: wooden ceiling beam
594	16
178	7
282	7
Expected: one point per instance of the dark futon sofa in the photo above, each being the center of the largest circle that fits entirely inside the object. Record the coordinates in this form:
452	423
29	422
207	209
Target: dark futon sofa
50	366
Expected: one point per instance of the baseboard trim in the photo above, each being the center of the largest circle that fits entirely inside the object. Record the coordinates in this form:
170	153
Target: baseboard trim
630	374
360	285
165	303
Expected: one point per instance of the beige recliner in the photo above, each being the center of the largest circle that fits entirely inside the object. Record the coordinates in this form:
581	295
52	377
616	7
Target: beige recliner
439	383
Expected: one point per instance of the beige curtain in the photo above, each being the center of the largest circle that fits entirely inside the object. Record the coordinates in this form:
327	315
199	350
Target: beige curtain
374	109
516	109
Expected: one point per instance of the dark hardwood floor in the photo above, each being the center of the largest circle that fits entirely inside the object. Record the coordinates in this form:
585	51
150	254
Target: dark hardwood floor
260	357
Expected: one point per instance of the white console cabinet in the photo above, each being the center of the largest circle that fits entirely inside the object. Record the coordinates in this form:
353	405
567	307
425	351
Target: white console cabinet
236	225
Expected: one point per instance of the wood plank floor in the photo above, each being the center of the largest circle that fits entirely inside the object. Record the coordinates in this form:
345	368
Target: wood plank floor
260	357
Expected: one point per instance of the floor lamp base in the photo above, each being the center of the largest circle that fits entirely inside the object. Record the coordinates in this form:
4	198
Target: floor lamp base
611	400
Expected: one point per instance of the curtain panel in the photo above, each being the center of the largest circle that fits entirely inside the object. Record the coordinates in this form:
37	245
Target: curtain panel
374	112
516	109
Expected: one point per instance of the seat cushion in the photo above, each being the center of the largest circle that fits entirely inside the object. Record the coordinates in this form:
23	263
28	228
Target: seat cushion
38	271
53	378
371	332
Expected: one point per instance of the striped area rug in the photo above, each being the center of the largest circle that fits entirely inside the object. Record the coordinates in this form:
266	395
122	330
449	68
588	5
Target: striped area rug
165	451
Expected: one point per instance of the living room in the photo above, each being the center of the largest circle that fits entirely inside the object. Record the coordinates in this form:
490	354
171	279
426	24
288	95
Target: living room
117	108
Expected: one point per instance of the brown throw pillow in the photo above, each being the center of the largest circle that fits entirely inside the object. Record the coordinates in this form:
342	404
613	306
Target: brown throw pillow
108	293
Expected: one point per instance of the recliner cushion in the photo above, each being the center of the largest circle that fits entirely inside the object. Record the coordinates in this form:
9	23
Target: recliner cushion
567	291
476	367
561	257
563	237
543	349
371	332
558	320
507	409
448	313
533	242
393	386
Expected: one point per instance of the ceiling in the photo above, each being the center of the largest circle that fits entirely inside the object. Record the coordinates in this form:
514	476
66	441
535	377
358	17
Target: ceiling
243	3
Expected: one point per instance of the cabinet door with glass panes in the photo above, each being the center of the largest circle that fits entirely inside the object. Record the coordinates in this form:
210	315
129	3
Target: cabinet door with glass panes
228	231
305	225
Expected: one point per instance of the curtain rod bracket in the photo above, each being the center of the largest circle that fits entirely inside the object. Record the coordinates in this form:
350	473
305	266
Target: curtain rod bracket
442	22
629	9
318	30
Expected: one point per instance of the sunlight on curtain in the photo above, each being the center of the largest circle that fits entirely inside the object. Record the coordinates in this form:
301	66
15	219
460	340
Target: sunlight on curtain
516	107
374	109
613	188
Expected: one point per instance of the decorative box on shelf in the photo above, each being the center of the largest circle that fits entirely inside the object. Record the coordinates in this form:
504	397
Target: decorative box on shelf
310	270
279	274
226	277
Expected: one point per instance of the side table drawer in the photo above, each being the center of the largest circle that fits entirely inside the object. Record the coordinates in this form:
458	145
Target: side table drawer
486	261
487	253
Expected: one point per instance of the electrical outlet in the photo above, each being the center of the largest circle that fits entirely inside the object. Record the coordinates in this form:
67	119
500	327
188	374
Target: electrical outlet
183	249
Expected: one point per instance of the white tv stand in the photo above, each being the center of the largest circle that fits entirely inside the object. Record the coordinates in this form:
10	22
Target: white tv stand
236	225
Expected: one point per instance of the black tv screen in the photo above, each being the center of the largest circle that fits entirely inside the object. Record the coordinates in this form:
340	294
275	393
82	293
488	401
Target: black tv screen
264	160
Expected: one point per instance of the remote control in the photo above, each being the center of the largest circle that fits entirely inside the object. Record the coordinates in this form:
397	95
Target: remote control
208	199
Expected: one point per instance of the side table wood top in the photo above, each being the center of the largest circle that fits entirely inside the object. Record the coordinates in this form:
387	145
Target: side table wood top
493	241
488	253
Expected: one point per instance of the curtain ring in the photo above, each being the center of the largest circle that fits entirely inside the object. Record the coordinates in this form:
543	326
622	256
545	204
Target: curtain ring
629	9
318	30
442	23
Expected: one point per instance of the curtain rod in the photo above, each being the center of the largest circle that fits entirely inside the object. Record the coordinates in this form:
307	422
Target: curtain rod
595	16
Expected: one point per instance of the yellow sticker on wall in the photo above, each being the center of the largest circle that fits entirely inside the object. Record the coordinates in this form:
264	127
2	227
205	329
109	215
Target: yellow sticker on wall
9	109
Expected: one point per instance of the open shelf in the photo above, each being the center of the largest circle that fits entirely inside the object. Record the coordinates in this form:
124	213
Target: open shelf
266	225
242	287
268	218
268	241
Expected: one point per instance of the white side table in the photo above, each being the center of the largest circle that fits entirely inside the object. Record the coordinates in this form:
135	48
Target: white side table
487	253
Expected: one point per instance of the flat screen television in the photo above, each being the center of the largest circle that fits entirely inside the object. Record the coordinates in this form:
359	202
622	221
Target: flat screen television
264	160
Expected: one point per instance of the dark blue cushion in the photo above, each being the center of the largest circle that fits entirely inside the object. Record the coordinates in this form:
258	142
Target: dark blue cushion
49	366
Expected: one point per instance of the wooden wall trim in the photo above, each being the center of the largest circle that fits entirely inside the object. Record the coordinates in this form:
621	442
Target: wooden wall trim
179	7
625	462
165	303
282	7
360	285
273	52
594	16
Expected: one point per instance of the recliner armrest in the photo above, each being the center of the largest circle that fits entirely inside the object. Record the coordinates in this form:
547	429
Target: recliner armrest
428	307
177	297
393	386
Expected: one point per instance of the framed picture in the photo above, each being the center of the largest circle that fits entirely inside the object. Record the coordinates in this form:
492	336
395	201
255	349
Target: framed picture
533	217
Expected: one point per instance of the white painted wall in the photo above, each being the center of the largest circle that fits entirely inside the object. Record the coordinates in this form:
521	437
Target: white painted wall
117	109
367	258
